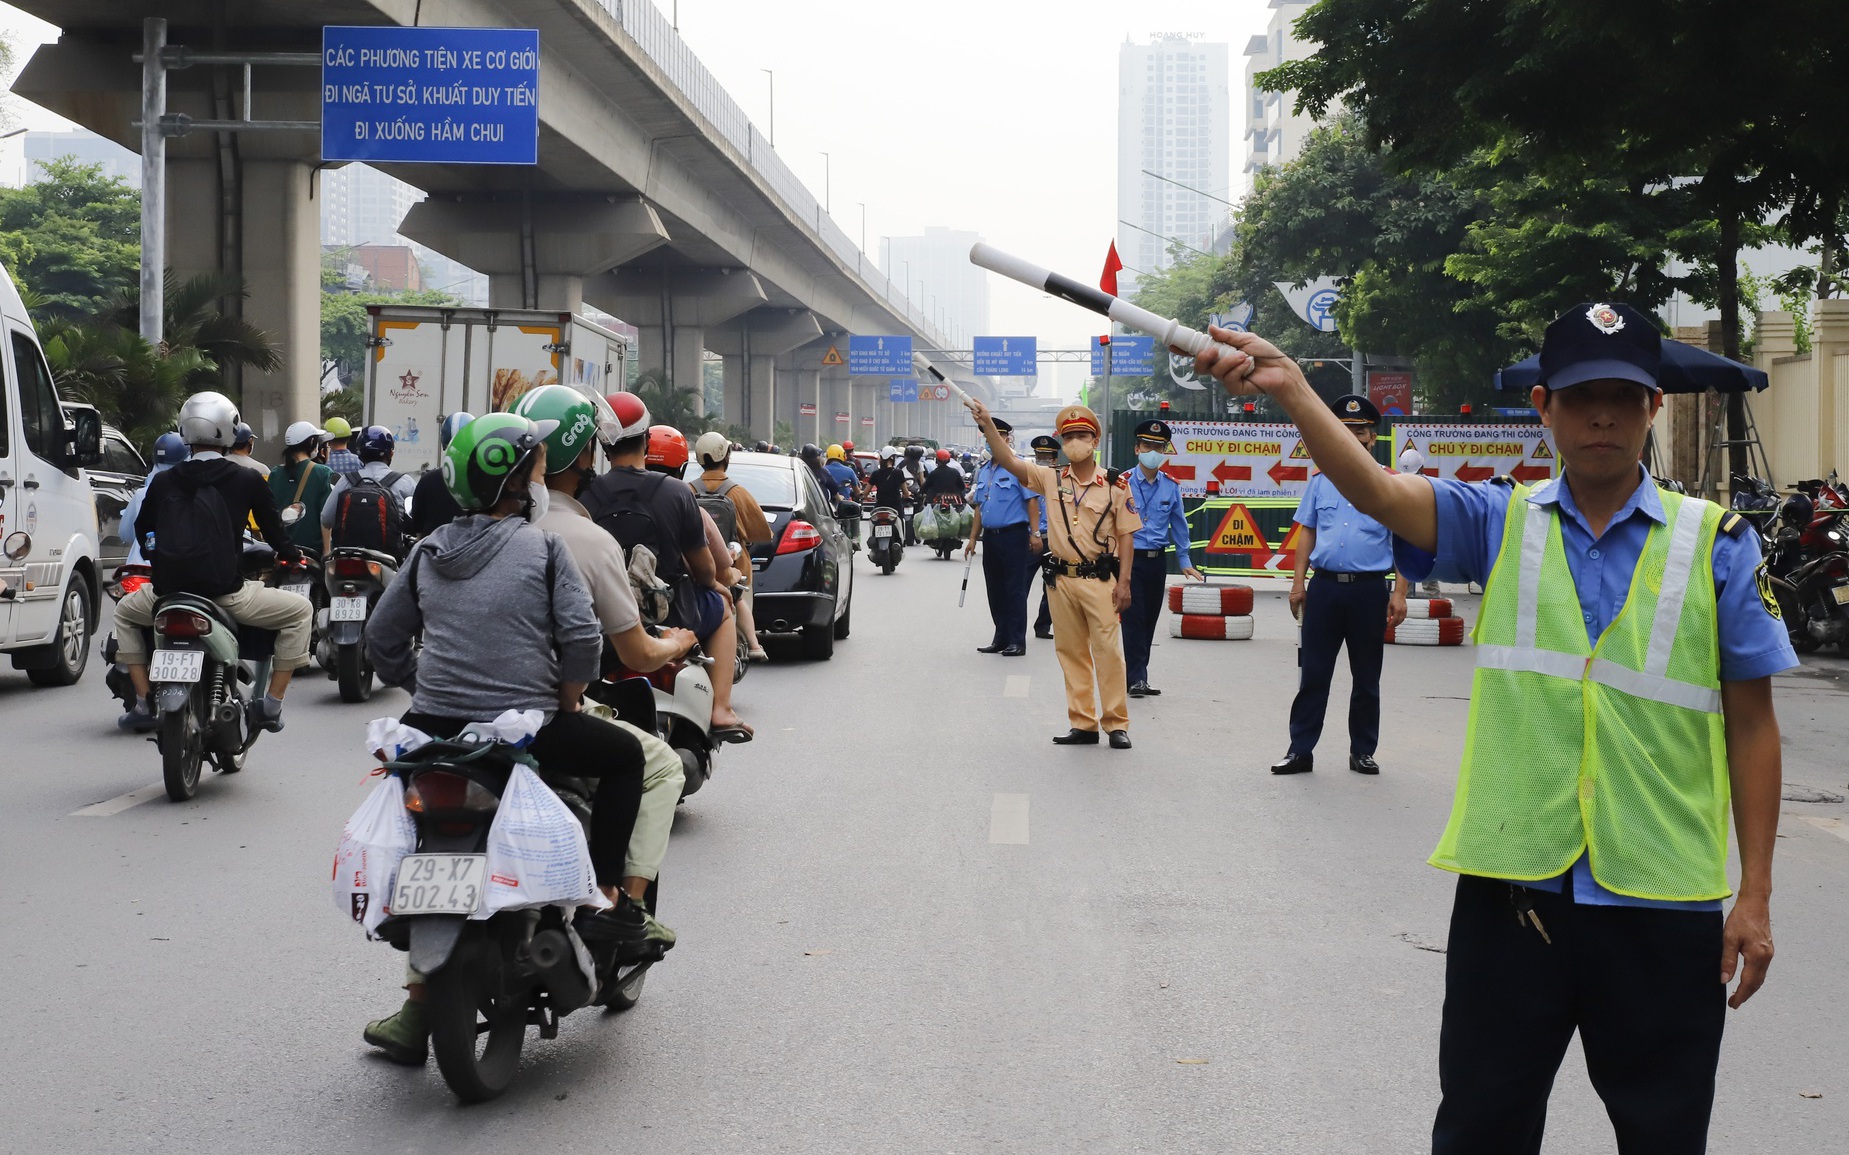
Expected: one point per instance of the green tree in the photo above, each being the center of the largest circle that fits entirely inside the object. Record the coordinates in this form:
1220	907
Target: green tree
137	388
73	238
194	320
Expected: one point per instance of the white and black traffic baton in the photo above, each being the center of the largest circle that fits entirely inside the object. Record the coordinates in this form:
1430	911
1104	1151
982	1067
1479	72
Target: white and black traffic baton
967	562
1168	331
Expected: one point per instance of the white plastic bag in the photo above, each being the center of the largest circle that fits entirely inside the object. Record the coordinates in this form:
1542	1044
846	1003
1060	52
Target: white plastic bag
537	855
514	727
389	739
372	843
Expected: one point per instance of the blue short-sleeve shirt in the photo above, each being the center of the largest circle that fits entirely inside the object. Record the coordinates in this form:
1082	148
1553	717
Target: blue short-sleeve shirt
1347	540
1471	518
1001	497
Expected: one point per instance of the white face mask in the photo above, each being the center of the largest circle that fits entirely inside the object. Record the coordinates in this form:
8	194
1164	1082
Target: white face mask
1151	458
541	497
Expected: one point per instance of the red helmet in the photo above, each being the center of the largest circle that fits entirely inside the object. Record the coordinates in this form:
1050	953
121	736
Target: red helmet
847	447
667	448
631	414
943	455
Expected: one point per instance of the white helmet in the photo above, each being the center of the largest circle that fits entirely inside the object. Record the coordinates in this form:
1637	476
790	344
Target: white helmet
209	419
887	453
712	448
300	432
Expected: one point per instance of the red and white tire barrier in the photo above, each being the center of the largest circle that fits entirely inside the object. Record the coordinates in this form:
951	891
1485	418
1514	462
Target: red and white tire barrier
1428	608
1228	601
1221	627
1427	632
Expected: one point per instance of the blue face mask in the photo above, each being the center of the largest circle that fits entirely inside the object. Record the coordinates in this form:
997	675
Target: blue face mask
1151	459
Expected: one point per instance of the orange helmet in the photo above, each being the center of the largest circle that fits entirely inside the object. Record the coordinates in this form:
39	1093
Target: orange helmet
943	455
667	448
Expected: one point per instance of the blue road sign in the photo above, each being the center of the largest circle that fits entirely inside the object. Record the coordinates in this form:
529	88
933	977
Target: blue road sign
1130	357
879	356
904	388
1006	357
431	95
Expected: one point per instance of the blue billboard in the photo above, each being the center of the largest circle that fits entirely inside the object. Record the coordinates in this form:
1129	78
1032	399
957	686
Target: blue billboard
430	95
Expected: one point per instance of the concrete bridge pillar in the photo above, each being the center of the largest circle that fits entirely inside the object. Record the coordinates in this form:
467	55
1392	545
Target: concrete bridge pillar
674	310
735	410
760	338
761	381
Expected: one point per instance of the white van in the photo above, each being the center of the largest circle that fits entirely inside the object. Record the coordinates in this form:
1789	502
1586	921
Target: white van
48	533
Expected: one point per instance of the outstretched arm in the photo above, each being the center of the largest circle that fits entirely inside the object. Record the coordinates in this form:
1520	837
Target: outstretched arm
1403	502
999	449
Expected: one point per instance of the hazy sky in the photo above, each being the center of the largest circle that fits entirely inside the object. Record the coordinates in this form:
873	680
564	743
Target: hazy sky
997	116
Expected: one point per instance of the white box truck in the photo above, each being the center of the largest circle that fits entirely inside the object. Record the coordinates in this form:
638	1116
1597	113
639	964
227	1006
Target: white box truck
427	361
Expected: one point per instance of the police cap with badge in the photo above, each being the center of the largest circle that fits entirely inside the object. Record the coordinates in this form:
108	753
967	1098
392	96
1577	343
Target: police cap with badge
1155	433
1354	410
1045	443
1601	342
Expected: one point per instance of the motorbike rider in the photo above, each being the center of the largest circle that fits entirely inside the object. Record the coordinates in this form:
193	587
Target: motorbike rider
431	504
841	471
812	457
892	485
374	445
339	458
303	484
700	602
944	482
169	450
506	623
753	528
242	446
192	551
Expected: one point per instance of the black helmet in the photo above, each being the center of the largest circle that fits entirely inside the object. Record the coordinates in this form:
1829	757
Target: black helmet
811	453
374	443
761	447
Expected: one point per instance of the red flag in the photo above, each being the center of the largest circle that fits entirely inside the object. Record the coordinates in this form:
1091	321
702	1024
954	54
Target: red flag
1108	282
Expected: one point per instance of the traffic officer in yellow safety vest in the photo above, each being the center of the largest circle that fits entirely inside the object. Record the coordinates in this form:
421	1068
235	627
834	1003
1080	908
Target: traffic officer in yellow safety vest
1348	603
1622	699
1090	522
1158	502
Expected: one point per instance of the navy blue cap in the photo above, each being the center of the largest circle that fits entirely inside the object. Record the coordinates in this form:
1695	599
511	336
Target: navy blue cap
1601	342
1157	432
1045	443
1354	409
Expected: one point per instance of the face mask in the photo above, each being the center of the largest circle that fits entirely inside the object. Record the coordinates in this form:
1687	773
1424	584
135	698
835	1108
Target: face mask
1151	459
539	500
1077	451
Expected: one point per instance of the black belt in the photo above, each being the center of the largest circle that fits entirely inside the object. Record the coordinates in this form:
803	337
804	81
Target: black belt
1152	552
1354	577
989	529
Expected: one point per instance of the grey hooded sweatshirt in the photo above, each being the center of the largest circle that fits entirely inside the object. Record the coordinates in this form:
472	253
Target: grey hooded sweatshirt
497	635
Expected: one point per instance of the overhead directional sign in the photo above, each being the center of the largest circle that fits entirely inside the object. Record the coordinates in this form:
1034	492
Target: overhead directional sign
879	356
1130	356
1006	357
902	388
430	95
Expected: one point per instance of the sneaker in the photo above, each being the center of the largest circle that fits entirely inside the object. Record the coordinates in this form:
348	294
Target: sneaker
658	932
140	720
404	1037
257	718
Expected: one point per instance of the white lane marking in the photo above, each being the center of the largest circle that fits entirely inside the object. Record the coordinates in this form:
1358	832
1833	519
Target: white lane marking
1834	826
1015	686
121	802
1008	820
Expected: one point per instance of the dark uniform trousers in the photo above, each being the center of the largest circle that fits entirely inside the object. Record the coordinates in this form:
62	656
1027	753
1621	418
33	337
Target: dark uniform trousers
1148	584
1641	986
1335	614
1005	571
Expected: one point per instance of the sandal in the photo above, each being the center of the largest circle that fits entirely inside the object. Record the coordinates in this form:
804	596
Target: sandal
735	734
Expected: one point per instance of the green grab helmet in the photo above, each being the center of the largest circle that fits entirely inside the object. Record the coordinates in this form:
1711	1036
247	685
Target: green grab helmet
487	453
574	421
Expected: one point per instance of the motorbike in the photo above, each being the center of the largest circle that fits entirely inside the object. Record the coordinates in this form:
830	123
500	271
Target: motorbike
487	980
887	545
945	546
128	578
355	579
1807	557
678	706
207	673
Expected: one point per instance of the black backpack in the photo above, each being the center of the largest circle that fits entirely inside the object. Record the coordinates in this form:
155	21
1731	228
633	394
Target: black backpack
370	516
195	548
624	506
719	507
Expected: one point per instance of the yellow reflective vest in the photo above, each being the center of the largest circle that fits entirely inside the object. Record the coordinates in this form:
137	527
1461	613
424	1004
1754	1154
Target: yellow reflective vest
1618	748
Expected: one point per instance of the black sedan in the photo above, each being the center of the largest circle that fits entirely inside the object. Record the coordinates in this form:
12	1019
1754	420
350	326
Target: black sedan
803	578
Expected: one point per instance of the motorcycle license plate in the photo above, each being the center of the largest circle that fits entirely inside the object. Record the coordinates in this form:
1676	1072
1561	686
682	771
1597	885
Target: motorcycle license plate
1841	594
882	531
346	610
300	589
439	883
176	666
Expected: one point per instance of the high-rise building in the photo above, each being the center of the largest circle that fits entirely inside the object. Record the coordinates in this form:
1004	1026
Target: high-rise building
84	147
937	276
1174	150
1275	134
362	206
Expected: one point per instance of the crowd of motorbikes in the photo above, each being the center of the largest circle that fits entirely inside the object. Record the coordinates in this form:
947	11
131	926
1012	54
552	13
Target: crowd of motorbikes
1806	546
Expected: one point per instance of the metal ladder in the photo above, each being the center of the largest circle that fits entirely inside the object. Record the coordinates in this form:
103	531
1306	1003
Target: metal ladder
1718	441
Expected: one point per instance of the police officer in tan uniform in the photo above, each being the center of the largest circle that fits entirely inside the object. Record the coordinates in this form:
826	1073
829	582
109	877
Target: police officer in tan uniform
1090	521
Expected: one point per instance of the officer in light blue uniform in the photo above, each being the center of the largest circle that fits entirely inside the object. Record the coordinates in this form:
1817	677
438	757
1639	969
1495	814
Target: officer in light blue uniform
1046	452
1348	603
1158	499
1001	521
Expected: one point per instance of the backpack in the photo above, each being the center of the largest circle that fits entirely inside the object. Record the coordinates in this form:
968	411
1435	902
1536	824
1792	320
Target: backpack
370	516
719	507
626	512
195	547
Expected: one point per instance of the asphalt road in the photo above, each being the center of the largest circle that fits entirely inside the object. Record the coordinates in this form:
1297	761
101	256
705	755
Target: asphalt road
907	924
